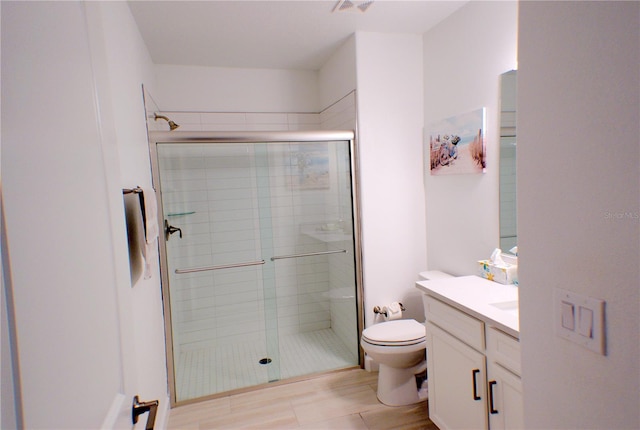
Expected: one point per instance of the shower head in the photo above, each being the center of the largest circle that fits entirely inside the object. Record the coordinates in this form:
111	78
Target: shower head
172	125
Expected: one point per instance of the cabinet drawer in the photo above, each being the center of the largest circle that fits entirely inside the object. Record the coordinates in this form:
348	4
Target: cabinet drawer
504	350
464	327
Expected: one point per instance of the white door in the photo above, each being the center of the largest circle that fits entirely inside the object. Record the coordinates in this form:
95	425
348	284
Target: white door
70	295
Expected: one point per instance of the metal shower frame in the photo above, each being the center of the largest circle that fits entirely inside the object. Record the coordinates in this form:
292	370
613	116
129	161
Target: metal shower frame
186	137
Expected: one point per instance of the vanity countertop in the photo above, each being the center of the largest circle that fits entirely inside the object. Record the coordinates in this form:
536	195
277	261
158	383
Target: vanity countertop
491	302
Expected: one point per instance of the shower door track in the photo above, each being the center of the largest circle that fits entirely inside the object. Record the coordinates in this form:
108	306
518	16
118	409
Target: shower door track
213	137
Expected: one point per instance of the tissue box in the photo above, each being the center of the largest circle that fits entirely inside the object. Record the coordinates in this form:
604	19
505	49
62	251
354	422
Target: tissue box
504	274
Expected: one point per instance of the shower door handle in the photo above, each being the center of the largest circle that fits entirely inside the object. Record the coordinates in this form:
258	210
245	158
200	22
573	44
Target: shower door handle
169	230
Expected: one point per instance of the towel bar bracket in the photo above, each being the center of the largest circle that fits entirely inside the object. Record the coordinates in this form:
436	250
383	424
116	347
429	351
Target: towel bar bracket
169	230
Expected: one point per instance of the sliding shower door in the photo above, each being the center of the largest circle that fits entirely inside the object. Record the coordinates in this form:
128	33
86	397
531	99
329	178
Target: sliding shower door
261	261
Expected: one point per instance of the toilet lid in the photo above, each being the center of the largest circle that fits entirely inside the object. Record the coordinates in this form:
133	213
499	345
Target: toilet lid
395	332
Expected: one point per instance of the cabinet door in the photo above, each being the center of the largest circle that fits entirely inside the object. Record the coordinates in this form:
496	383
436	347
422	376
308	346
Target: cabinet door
457	382
505	399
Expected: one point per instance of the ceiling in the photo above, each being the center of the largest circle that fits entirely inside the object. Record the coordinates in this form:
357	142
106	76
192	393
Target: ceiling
271	34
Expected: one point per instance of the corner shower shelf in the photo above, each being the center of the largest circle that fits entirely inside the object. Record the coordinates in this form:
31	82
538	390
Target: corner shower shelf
327	236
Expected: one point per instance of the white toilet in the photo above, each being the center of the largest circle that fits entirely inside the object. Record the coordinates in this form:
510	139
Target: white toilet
399	348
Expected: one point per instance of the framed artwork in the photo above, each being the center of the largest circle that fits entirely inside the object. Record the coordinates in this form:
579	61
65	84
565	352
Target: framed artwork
456	145
308	166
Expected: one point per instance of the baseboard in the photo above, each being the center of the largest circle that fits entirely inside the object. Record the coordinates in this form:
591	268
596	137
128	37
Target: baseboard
119	414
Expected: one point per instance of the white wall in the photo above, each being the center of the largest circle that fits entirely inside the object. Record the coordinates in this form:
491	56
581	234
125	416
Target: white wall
390	115
128	66
337	77
221	89
463	58
579	207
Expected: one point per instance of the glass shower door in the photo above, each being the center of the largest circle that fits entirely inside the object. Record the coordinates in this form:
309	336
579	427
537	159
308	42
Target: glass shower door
260	262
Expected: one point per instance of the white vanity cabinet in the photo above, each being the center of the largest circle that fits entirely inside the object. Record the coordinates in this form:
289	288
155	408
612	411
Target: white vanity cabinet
472	371
456	377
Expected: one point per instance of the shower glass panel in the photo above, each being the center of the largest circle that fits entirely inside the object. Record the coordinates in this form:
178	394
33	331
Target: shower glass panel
260	270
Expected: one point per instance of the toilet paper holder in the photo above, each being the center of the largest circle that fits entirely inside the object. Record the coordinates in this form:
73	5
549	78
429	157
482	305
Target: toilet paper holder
384	311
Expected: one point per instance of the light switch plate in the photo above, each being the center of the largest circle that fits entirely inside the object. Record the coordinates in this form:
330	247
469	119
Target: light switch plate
588	327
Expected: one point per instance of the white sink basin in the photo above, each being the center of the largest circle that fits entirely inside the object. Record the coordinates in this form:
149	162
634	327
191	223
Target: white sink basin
510	307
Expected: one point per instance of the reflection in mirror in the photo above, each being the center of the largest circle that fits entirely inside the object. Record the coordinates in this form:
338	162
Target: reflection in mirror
508	230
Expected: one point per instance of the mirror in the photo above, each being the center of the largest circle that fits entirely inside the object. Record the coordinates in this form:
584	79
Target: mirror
508	228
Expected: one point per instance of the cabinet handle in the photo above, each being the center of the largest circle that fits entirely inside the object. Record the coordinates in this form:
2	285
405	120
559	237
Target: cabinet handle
492	410
474	372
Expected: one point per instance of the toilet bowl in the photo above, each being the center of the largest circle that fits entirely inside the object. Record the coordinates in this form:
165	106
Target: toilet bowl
399	348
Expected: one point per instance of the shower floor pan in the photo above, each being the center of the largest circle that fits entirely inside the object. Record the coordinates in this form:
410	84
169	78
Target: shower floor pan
208	371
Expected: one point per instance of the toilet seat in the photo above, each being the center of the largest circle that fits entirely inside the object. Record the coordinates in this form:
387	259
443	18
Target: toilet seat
395	333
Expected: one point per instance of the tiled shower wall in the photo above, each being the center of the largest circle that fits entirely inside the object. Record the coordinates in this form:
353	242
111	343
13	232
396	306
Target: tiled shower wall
311	293
339	116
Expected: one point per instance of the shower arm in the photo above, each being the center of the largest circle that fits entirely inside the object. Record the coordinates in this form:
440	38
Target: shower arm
172	125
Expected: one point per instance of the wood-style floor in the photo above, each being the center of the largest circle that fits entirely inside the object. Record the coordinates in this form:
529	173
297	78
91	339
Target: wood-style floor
340	400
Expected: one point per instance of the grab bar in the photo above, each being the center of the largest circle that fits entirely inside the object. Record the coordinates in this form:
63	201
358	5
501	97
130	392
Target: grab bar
281	257
224	266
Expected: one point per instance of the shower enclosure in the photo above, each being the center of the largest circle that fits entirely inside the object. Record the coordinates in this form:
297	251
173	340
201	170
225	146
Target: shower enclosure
260	257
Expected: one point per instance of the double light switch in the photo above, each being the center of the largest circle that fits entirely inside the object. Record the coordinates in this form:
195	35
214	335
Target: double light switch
580	319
